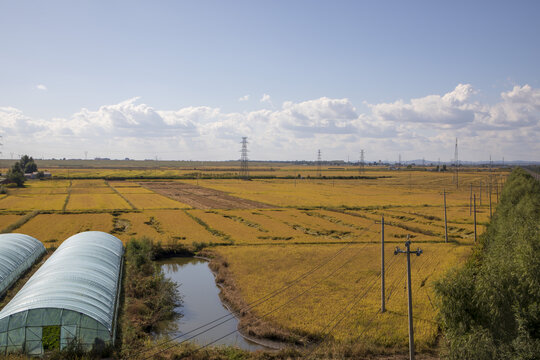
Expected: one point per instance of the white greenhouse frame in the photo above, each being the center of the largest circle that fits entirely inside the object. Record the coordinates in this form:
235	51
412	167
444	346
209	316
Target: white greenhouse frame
76	291
18	253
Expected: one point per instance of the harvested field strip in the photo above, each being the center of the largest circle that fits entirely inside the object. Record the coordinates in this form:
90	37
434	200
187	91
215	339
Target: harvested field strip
201	198
53	229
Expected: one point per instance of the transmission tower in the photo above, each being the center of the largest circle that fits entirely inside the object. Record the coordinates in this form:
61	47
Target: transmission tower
244	171
399	162
456	164
319	163
1	144
362	161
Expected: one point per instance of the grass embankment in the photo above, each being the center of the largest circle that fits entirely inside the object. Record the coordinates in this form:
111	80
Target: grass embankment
490	308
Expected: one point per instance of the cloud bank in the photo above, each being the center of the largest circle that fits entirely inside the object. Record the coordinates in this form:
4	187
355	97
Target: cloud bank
420	127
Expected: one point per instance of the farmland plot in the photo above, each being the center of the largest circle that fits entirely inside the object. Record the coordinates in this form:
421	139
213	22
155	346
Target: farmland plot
53	229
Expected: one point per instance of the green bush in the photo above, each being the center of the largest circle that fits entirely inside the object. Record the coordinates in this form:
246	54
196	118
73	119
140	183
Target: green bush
51	337
490	308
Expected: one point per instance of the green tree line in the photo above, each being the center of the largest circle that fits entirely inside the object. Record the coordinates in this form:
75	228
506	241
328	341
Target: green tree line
490	308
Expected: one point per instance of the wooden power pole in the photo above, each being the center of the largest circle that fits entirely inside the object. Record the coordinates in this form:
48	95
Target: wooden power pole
409	291
383	307
445	221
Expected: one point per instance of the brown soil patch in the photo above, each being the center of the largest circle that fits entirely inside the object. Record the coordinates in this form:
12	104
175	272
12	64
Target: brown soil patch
200	197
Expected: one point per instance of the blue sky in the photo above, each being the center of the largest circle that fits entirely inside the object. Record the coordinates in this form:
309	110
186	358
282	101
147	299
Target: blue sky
188	79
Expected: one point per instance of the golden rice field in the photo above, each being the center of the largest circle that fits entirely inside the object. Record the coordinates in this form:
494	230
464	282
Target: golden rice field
96	201
52	229
32	202
153	201
402	189
322	296
308	221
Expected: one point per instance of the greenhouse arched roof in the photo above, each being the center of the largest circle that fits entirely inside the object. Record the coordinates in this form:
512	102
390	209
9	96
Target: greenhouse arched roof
17	253
82	275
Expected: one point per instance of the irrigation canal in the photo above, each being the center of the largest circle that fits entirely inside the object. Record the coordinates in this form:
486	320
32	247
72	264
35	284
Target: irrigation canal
201	304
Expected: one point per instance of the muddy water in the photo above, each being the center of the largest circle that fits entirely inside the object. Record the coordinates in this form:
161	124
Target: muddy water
201	304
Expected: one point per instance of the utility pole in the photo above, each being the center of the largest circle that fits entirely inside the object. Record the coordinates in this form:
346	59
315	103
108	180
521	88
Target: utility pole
383	307
490	213
445	221
497	189
409	290
474	202
470	202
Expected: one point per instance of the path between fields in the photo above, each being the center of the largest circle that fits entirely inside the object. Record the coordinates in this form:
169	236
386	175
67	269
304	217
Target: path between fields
200	197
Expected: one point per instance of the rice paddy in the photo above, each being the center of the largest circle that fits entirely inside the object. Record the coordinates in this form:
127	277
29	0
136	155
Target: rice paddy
300	223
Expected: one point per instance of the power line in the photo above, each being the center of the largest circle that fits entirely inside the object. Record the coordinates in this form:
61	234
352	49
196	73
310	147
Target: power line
244	171
286	303
347	310
319	162
263	316
268	296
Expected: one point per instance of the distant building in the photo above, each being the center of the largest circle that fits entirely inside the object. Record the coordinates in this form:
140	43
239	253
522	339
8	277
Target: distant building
35	175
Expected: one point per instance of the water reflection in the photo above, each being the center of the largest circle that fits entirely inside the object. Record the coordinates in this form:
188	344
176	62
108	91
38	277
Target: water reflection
201	304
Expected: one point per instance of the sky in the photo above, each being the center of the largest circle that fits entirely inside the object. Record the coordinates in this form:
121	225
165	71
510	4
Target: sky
186	80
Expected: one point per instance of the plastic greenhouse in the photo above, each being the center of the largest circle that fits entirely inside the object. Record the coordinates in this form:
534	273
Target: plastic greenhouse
18	253
74	295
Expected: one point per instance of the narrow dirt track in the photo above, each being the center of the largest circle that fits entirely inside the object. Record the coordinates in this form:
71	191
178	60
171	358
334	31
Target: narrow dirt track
200	197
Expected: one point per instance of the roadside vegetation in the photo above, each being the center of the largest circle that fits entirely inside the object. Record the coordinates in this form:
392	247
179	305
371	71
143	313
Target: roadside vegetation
149	298
490	308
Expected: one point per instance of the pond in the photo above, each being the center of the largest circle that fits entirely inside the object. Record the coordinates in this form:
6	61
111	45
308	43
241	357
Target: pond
201	305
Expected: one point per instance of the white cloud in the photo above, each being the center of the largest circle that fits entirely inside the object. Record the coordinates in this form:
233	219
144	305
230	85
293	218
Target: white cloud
243	98
265	98
41	87
425	127
452	110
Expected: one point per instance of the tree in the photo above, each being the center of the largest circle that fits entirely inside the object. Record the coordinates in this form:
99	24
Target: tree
16	174
28	164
